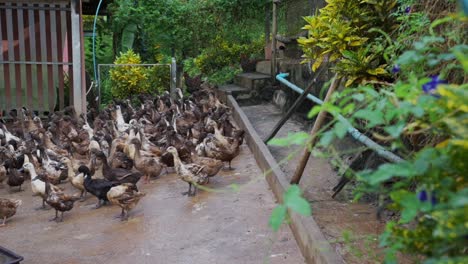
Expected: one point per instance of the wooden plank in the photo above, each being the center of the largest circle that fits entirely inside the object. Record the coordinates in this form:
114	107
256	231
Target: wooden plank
40	47
33	22
43	23
61	29
314	246
50	70
3	44
69	46
17	88
76	55
10	78
28	31
54	55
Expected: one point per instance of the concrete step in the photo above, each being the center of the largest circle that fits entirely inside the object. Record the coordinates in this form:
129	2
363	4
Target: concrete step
264	67
235	90
252	80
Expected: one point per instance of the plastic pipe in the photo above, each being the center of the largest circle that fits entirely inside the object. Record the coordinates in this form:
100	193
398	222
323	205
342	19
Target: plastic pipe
94	40
351	130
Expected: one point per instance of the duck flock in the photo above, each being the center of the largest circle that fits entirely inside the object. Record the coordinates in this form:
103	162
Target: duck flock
106	153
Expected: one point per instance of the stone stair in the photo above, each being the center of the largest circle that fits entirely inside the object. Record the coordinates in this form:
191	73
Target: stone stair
247	85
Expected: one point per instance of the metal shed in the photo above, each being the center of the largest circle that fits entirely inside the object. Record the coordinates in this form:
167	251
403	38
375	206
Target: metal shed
41	55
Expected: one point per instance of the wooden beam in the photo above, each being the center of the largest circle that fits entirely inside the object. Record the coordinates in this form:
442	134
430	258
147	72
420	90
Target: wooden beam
273	40
76	55
313	133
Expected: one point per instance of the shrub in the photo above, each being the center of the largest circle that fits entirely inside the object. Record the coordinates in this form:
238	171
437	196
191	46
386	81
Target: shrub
346	32
422	117
220	62
129	80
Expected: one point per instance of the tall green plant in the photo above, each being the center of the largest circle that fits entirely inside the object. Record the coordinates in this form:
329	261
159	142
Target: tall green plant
344	31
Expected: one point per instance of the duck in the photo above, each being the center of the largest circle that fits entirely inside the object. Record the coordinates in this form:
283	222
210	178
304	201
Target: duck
3	174
220	147
191	173
121	125
148	165
38	184
46	137
117	174
8	208
15	178
76	179
126	196
210	166
60	201
97	187
52	169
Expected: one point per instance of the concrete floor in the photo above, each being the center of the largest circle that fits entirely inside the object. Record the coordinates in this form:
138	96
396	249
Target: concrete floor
166	227
334	217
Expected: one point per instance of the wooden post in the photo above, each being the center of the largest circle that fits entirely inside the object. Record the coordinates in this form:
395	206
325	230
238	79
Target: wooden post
273	40
173	77
313	133
293	108
76	55
267	23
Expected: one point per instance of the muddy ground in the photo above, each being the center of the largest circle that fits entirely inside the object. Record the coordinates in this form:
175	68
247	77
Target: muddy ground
165	227
335	217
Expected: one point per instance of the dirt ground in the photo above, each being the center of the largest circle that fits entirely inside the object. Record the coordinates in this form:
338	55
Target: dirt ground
334	217
165	227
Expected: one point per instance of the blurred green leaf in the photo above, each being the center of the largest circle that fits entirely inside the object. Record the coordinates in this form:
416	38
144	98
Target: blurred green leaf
277	217
298	138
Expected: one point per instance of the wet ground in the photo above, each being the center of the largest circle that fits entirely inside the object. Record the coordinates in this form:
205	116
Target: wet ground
335	217
165	227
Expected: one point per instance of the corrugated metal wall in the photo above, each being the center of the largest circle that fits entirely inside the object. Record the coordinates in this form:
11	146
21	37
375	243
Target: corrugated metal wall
35	55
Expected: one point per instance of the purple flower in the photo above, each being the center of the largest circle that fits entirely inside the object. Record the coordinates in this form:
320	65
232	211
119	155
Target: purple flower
422	196
433	199
396	69
408	10
431	86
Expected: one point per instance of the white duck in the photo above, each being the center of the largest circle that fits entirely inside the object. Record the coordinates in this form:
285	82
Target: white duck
38	186
76	179
121	125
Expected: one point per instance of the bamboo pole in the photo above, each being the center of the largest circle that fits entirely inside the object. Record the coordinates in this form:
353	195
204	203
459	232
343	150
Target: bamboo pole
293	108
313	133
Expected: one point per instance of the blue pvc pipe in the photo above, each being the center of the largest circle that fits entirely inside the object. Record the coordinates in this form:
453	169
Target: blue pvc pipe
351	130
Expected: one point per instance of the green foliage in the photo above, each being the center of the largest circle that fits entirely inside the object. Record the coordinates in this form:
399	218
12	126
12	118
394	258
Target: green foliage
294	201
223	53
129	80
224	75
103	44
422	116
190	67
186	27
298	138
219	63
349	33
425	119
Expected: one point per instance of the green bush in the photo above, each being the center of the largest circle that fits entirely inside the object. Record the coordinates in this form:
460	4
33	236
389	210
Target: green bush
351	34
220	62
424	119
129	80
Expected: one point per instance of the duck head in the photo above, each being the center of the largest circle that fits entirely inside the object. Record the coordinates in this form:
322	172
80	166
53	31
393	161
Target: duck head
85	170
171	150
